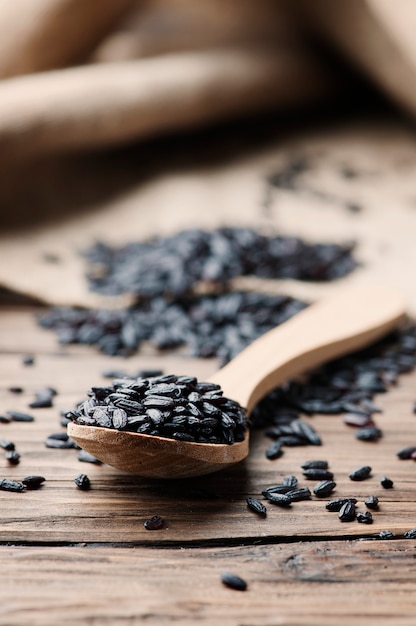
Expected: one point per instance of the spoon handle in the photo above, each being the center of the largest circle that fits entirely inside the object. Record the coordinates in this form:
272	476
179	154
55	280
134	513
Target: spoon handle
347	321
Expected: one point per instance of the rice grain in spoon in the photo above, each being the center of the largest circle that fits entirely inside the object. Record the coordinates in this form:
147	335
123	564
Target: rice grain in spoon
351	319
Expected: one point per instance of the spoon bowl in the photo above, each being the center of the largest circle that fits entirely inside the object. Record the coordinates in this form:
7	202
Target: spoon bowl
349	320
156	457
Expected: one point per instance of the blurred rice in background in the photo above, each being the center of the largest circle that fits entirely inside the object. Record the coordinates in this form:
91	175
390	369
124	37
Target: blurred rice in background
118	117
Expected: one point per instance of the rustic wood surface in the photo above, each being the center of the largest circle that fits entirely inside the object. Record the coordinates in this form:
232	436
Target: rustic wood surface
70	556
327	583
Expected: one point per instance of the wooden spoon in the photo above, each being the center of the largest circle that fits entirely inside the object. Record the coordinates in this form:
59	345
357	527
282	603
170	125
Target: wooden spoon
347	321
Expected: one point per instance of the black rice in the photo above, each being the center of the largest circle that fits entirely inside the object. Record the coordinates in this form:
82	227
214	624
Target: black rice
43	398
386	483
18	416
315	473
82	482
86	457
33	482
163	272
276	489
218	325
371	502
173	265
347	512
159	272
324	488
345	386
11	485
365	518
293	440
12	457
64	420
301	493
336	504
233	581
386	534
290	481
274	451
360	473
369	433
406	453
137	405
154	523
357	419
62	443
280	499
6	444
256	506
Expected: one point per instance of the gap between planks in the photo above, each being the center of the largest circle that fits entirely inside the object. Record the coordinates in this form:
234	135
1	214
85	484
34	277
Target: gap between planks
238	542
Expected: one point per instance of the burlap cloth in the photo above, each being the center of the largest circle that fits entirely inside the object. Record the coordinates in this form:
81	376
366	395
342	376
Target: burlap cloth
97	103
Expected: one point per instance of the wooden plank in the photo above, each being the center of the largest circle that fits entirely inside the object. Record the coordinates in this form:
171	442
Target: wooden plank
117	505
325	583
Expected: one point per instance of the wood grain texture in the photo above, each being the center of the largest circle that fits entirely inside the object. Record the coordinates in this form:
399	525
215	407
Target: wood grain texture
84	557
325	583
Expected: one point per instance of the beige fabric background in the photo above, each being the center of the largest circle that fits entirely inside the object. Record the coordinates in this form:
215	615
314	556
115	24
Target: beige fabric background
86	86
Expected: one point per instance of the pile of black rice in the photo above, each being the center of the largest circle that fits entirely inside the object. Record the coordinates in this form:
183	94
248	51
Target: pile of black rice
183	408
345	386
176	407
162	274
173	265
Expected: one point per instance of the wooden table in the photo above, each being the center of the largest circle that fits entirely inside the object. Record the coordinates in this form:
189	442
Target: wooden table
84	557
